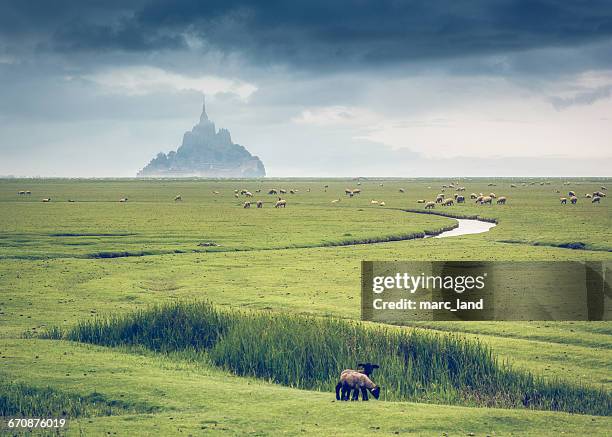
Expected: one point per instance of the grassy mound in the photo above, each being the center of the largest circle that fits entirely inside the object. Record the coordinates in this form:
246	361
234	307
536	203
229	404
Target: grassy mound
310	352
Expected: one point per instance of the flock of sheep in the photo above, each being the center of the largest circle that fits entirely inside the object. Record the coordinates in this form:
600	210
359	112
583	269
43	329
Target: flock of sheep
595	197
481	199
441	199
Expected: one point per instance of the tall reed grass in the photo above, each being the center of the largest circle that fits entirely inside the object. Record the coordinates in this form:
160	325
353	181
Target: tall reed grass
20	399
310	352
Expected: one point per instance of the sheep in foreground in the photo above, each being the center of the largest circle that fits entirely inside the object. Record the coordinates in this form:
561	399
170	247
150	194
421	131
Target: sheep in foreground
486	199
401	190
440	198
351	380
246	205
588	196
563	200
448	202
501	200
574	200
571	194
430	205
596	199
281	203
259	204
272	192
381	204
47	199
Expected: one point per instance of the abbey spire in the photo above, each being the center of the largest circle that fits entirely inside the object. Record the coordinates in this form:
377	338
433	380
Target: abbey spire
204	116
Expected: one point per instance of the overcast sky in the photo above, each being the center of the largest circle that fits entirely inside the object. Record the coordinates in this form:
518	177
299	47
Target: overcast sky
314	88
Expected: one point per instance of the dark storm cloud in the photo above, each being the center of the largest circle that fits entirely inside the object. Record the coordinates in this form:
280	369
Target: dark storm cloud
315	33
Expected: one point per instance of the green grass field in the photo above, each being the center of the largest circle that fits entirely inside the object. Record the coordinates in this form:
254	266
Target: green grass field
67	263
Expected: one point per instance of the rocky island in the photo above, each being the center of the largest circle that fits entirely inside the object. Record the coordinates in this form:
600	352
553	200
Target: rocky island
206	152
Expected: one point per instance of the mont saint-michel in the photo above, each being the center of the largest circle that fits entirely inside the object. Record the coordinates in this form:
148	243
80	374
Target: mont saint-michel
206	152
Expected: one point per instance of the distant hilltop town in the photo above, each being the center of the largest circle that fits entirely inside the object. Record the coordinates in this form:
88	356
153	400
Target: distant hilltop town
206	152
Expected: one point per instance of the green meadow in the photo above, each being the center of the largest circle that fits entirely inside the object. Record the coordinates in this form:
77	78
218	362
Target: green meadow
90	291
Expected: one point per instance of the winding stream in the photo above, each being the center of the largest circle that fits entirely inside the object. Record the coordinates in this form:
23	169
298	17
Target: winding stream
466	227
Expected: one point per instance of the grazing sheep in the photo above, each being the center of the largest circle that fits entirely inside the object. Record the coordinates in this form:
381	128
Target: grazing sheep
588	196
401	190
374	202
574	200
473	196
292	191
381	185
259	204
492	195
381	204
215	192
248	194
512	186
440	198
246	205
486	199
272	192
123	199
348	192
258	191
357	191
282	191
501	200
178	198
430	205
604	188
421	201
351	380
479	199
235	191
281	203
70	201
448	202
28	192
571	194
21	193
236	195
596	199
47	199
563	200
460	199
599	194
